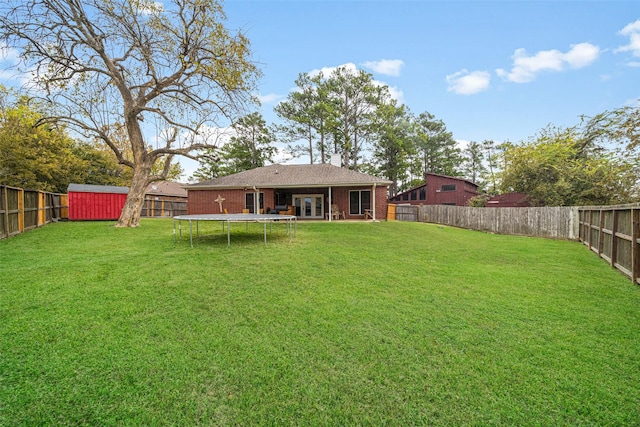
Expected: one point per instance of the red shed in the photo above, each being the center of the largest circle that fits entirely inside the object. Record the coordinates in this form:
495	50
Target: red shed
96	202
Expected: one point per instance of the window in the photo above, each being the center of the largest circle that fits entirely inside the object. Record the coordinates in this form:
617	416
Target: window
414	195
359	200
405	196
248	201
423	193
449	187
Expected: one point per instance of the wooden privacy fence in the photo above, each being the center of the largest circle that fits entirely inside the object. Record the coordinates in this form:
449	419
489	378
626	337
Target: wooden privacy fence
550	222
153	208
22	210
613	232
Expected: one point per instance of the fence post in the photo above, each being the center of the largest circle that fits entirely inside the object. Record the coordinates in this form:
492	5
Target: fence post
635	246
5	203
42	216
614	239
21	210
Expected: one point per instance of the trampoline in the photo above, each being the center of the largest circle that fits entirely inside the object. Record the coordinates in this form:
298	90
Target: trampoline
226	219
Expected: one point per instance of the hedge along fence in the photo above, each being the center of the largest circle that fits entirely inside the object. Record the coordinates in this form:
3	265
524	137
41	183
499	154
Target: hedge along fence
549	222
613	232
22	210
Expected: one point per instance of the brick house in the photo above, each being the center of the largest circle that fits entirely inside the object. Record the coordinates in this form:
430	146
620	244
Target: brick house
307	191
438	190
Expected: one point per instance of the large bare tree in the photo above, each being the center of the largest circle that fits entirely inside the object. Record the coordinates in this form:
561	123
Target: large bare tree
166	68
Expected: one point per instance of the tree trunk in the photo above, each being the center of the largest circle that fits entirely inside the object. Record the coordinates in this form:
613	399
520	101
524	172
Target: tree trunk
130	216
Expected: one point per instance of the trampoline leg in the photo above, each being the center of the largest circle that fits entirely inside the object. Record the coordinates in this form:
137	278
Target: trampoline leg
228	234
190	233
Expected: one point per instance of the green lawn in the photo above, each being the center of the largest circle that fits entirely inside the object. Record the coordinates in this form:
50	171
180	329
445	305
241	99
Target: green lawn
349	324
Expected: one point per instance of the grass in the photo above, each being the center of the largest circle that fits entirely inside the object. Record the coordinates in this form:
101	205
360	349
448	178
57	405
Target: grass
348	324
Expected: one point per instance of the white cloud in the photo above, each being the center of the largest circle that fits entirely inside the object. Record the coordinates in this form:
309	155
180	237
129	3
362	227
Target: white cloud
270	98
526	67
388	67
352	68
631	30
581	55
326	71
468	83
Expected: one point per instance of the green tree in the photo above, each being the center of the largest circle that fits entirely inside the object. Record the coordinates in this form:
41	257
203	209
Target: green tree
557	169
98	166
37	157
45	157
356	99
492	155
473	165
437	151
145	64
394	147
250	147
209	166
307	114
621	126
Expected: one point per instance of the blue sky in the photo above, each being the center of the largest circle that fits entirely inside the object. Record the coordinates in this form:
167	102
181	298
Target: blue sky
498	70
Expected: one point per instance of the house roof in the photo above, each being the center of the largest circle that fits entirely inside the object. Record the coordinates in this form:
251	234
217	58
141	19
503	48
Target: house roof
166	188
291	176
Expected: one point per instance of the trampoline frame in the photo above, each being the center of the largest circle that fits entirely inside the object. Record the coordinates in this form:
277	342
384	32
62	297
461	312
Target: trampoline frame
290	220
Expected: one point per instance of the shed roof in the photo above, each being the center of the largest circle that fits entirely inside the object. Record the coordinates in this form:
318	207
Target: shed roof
164	188
291	176
89	188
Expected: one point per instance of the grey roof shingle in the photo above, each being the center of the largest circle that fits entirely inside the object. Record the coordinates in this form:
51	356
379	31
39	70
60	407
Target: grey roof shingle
166	188
279	176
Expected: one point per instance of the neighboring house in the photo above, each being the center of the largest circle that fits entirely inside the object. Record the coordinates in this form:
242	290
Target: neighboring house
165	199
508	200
306	191
105	202
438	190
